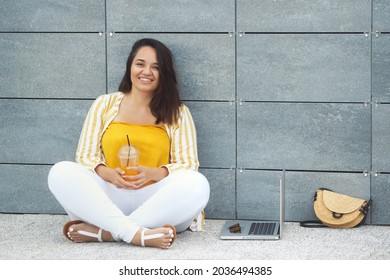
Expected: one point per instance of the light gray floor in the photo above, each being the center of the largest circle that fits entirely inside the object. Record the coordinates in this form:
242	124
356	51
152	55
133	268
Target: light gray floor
31	237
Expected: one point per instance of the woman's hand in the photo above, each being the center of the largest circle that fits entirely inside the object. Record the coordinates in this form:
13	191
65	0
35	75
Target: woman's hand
145	174
114	176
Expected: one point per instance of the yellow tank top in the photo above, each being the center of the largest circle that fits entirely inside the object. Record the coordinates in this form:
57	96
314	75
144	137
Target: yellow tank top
152	142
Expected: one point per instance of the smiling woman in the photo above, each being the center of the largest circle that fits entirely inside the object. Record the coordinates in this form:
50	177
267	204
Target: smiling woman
165	194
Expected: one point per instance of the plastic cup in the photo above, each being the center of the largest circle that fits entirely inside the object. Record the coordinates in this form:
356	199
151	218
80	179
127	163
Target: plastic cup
128	159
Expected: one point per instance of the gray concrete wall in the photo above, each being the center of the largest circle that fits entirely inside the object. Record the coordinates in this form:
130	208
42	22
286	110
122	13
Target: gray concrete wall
272	85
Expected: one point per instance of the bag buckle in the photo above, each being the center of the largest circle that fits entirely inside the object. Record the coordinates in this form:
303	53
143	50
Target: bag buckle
364	209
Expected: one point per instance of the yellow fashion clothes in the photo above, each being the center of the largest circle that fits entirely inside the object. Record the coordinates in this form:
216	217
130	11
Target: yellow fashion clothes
151	141
182	135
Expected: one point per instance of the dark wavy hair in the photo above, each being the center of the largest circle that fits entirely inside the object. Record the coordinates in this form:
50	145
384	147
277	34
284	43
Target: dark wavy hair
165	104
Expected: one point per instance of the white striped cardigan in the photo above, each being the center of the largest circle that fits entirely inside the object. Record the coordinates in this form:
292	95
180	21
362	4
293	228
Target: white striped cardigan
183	152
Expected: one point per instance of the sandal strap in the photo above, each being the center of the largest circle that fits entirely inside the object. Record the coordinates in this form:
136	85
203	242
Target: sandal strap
98	235
143	238
148	237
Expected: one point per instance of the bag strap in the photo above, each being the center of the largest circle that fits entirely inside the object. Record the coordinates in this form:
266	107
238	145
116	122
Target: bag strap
312	224
364	209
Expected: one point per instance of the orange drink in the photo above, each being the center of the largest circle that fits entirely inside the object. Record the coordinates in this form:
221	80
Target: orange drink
128	156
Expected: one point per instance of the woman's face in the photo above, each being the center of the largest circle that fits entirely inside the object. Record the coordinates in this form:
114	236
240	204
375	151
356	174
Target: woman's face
144	72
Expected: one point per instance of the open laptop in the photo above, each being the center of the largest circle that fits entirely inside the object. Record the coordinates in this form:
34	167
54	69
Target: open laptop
263	230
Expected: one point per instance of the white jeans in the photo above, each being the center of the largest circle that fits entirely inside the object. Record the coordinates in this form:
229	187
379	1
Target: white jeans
176	200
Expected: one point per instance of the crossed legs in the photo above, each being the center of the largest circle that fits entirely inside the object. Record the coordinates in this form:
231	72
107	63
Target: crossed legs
124	214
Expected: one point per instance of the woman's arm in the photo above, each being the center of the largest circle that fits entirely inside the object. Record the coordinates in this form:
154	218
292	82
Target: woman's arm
184	151
89	152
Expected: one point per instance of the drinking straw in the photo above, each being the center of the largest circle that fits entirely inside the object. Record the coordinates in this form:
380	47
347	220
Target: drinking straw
128	155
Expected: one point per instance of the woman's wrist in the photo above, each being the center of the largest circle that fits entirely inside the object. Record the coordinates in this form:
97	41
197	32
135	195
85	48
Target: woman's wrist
100	170
162	173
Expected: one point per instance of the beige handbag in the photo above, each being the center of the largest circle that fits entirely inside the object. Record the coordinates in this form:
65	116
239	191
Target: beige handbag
337	210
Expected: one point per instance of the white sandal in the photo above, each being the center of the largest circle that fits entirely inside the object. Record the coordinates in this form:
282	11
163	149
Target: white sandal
156	235
98	235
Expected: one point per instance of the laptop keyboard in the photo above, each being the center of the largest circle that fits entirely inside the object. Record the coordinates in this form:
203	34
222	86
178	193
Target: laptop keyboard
262	228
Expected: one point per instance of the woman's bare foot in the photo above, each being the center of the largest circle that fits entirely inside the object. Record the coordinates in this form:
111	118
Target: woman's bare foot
162	237
78	233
